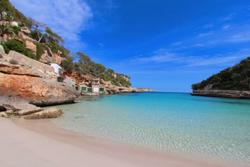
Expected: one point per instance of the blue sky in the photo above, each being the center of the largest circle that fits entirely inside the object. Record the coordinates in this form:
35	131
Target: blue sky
166	45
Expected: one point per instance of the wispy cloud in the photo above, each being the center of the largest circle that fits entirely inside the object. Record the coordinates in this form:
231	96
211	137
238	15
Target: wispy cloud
159	56
66	17
165	56
242	37
228	17
225	27
204	34
101	44
177	43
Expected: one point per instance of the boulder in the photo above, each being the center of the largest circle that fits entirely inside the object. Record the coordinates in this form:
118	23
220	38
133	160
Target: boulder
4	115
25	37
31	46
13	105
29	111
47	113
25	30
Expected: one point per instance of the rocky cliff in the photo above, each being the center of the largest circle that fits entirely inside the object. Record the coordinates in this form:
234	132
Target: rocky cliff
223	93
37	86
232	82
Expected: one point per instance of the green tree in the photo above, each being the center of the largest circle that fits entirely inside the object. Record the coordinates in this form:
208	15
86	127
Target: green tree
84	59
5	29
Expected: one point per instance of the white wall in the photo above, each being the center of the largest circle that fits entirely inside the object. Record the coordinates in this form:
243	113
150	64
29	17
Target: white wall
56	67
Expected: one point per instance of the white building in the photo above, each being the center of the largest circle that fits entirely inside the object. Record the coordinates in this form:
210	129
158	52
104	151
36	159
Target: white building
56	68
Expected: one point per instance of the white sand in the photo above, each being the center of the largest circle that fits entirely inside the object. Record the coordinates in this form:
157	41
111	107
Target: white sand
41	144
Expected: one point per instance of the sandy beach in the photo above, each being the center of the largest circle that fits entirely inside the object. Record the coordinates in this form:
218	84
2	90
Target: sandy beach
40	143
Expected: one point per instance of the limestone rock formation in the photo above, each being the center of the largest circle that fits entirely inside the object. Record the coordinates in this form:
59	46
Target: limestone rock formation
47	113
25	30
34	84
38	91
223	93
25	37
31	46
147	90
49	57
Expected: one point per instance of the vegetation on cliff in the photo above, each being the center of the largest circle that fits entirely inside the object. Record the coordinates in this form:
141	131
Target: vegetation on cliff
45	37
18	47
232	78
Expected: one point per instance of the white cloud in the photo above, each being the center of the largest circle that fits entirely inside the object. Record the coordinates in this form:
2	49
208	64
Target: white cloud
65	17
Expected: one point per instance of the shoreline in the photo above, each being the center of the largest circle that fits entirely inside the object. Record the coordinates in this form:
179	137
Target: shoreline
50	145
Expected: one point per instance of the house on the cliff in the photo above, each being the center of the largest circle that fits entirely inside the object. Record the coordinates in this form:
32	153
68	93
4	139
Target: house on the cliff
97	87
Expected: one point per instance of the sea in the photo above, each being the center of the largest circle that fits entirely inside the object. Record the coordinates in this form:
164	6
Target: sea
215	129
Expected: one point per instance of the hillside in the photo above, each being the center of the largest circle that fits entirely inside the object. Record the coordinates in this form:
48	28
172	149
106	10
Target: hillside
37	41
232	78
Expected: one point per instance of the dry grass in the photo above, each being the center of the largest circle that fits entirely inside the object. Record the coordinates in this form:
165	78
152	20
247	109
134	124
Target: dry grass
45	115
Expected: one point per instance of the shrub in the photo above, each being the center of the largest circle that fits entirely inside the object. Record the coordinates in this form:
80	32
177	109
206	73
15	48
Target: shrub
12	61
15	29
39	50
18	47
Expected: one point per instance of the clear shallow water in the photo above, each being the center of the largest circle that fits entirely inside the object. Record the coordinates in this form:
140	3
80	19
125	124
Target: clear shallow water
215	128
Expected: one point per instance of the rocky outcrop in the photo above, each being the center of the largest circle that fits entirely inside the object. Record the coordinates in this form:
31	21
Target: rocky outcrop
38	91
30	46
47	113
222	93
16	105
49	57
34	82
29	63
58	59
25	30
147	90
25	37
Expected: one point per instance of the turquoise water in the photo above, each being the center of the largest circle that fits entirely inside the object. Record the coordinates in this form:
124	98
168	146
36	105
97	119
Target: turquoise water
215	128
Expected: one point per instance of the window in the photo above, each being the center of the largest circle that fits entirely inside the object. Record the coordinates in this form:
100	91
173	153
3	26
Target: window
101	89
89	89
84	89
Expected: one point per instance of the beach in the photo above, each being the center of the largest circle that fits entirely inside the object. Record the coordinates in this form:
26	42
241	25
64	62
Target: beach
40	143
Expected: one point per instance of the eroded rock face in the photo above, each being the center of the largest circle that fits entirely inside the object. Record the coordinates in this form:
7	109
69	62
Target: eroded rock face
31	46
49	57
33	85
38	91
